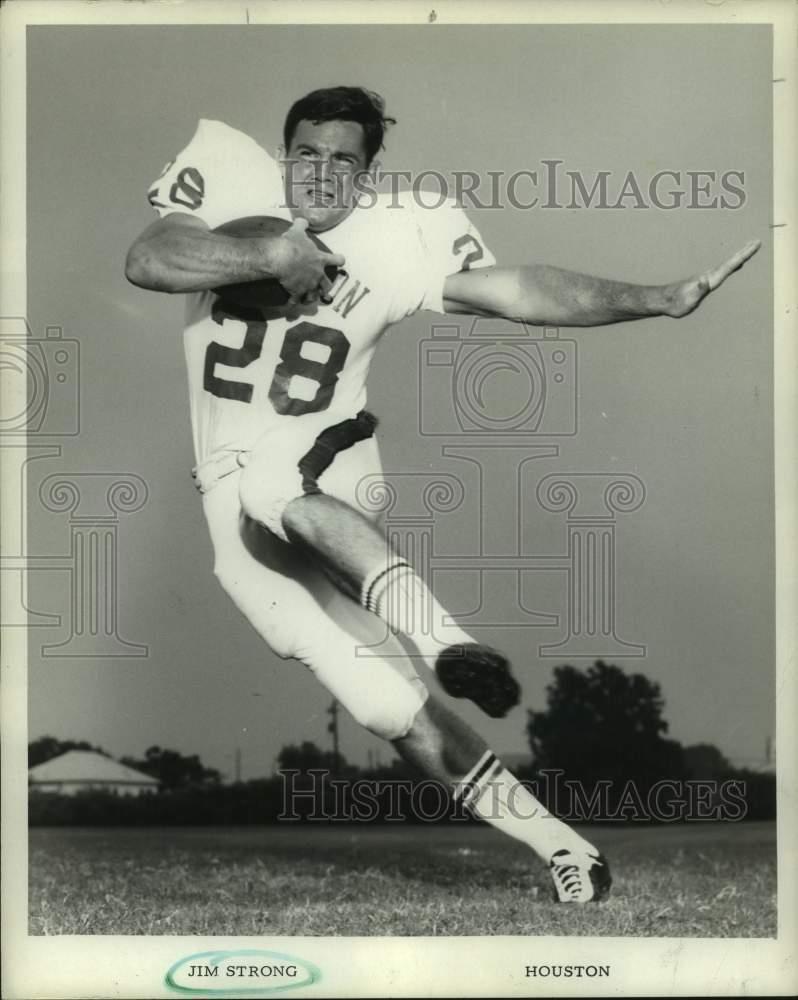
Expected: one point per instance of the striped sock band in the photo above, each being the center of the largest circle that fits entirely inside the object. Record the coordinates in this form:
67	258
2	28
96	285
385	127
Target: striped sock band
470	788
377	582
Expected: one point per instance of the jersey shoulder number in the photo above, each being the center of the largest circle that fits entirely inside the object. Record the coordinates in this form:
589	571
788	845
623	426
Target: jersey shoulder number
220	175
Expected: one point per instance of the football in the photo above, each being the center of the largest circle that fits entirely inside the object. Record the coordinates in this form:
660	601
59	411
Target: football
266	292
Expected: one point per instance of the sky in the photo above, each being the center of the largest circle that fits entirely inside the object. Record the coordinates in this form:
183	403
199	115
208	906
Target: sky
685	407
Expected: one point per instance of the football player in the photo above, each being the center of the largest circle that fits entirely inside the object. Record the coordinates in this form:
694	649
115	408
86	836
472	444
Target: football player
282	438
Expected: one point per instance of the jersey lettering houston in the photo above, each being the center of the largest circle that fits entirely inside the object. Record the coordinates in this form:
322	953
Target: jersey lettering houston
247	376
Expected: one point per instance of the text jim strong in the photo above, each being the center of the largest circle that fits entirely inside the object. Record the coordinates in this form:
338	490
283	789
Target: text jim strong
213	972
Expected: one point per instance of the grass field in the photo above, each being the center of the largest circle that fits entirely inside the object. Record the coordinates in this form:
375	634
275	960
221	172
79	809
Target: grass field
691	880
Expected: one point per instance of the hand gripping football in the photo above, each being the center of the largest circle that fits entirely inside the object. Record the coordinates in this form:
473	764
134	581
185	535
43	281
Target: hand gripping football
265	291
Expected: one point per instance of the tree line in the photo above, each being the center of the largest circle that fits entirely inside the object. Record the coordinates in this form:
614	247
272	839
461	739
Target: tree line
602	738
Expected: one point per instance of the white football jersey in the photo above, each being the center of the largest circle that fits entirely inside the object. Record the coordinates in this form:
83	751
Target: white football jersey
245	377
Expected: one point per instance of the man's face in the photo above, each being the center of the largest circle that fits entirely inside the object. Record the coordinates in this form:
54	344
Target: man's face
320	170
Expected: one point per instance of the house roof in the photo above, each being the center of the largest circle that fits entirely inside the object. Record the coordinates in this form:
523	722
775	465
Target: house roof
87	766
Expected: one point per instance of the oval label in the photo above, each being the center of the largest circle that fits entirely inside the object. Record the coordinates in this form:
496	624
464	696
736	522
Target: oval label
250	971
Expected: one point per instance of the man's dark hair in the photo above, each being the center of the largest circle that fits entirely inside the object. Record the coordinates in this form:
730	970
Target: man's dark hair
348	104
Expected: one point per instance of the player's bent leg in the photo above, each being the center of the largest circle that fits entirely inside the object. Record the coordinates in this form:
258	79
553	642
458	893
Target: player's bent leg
302	489
353	550
376	694
446	748
300	615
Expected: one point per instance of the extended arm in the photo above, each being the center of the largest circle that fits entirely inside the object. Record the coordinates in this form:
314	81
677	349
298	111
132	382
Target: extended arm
180	253
549	296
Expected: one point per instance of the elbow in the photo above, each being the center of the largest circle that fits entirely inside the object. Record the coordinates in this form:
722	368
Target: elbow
143	269
139	269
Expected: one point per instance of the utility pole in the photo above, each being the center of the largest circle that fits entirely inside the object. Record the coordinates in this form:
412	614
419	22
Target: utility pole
332	727
238	765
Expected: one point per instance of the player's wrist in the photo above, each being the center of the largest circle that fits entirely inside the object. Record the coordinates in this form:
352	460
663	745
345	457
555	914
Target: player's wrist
672	300
272	256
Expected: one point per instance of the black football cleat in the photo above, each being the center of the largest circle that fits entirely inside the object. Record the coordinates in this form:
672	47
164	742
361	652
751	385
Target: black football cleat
471	670
580	877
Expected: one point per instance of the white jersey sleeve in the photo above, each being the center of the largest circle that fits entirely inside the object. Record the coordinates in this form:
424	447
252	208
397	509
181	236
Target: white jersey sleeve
450	243
221	175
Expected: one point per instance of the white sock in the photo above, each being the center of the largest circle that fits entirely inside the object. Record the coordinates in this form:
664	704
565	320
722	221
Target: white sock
495	795
399	597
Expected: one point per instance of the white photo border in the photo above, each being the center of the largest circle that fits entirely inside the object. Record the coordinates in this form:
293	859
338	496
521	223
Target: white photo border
109	966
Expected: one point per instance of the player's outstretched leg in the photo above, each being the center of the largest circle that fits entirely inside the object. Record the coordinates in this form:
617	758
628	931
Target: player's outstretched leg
442	745
354	553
